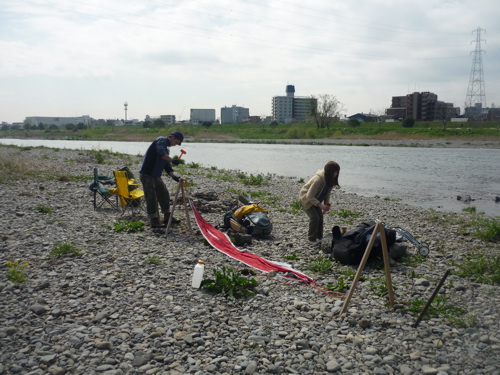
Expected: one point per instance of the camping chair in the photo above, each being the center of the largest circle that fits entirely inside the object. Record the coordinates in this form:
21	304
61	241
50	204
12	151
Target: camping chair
129	195
103	193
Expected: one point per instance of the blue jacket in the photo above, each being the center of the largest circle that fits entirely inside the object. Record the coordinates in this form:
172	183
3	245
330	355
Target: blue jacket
152	163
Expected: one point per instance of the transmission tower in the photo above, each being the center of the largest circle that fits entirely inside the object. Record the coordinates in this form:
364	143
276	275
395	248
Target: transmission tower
476	97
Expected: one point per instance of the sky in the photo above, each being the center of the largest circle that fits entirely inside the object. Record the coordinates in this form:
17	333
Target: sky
70	58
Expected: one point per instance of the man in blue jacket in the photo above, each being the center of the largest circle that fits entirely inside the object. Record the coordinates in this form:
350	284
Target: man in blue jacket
155	161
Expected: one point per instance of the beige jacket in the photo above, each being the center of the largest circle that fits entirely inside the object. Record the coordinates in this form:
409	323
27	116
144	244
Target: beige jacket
312	189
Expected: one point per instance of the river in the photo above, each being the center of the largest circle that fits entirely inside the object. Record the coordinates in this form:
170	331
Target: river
425	177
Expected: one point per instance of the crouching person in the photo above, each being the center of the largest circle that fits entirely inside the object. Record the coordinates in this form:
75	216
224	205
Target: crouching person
315	199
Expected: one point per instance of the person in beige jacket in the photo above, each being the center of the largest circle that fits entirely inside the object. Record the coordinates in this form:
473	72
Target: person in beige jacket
315	199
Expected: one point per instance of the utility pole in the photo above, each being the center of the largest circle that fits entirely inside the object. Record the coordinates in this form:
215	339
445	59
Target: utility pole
475	99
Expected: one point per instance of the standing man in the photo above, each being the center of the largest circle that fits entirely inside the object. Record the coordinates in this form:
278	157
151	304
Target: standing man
156	160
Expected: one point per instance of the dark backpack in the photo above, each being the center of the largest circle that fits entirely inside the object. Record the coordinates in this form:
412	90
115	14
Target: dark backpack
349	248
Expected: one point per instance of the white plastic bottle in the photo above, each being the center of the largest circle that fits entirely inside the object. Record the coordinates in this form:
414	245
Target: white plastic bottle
198	274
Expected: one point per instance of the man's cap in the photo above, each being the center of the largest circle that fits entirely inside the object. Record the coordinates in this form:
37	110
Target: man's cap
178	135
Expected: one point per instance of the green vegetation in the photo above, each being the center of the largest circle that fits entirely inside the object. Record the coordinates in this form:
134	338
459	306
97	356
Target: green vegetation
273	132
153	259
321	265
44	210
64	249
15	271
438	307
292	256
127	226
483	269
230	283
296	207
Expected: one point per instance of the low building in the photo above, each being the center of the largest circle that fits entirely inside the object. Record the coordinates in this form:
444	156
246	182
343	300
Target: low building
198	116
233	114
58	121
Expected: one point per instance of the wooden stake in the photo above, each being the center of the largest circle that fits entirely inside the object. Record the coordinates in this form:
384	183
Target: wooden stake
173	207
379	228
186	211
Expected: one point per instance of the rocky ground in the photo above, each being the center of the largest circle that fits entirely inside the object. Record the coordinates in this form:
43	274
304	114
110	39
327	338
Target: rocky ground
113	311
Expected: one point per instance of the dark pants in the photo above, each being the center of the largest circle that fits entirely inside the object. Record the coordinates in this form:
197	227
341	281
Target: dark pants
315	223
155	192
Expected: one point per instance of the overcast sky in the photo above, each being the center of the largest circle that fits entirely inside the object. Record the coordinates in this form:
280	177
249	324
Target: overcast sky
164	57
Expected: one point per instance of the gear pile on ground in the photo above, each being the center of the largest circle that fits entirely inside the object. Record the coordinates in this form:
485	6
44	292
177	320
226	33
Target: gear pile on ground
113	310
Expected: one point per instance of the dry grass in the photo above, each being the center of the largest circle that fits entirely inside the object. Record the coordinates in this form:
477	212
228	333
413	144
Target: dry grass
20	164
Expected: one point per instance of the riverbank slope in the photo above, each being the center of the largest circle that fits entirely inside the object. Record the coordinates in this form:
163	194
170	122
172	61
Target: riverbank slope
126	306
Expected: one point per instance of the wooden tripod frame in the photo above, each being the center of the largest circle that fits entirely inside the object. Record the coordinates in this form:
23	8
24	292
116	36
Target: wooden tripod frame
379	228
180	188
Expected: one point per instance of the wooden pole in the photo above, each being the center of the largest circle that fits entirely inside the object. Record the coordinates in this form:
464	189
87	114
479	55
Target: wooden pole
379	228
387	265
360	269
184	201
173	207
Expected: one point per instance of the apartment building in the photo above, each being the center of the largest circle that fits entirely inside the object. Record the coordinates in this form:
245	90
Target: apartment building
233	114
289	108
421	106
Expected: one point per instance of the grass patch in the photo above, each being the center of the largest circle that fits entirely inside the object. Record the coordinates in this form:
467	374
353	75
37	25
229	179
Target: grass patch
481	268
127	226
438	307
65	249
15	271
44	210
292	256
321	265
296	207
153	259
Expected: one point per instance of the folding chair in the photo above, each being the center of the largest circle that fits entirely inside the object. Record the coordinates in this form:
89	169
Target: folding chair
129	195
103	193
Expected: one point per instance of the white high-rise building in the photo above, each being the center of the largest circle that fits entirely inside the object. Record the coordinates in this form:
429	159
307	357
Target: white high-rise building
289	108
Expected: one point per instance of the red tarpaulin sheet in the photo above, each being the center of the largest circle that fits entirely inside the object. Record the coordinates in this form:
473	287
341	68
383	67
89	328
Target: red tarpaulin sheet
220	241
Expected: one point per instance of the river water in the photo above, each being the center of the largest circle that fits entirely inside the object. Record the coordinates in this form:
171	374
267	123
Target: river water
425	177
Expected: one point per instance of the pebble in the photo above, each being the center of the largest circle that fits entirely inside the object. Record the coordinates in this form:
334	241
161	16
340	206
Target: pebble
113	312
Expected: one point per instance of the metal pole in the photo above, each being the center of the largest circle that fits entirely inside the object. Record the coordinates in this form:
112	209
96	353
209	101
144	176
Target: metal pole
431	299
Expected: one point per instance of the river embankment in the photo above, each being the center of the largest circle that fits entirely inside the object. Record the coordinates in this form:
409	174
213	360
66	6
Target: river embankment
114	311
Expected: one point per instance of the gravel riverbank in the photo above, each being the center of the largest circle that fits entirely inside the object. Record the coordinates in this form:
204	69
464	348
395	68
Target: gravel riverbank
112	311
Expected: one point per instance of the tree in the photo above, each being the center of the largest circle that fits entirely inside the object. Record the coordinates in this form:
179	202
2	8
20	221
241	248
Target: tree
41	126
353	122
27	125
147	124
159	123
81	126
325	110
5	127
408	122
206	124
273	124
70	126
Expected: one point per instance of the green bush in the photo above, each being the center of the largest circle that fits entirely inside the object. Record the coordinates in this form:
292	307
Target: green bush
15	271
229	283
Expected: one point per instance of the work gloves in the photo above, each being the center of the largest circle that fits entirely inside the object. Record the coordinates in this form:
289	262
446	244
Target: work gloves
176	162
176	178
